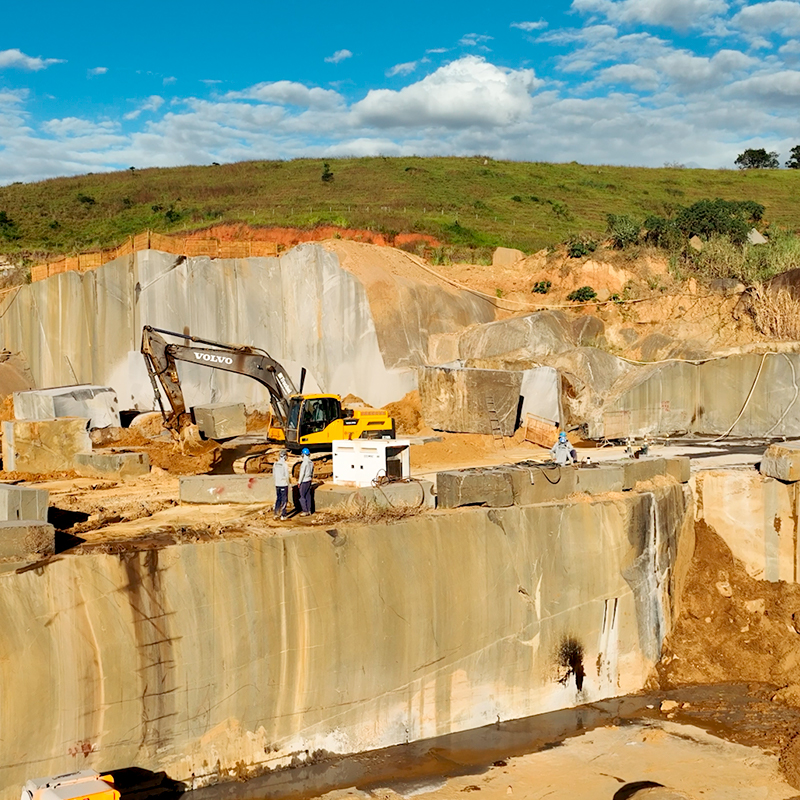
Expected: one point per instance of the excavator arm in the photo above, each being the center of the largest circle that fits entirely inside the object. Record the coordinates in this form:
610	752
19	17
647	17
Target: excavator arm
161	358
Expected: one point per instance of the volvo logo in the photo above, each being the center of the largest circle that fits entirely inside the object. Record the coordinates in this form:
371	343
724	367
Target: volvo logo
213	359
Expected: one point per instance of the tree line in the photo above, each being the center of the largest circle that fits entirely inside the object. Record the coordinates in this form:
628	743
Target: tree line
759	158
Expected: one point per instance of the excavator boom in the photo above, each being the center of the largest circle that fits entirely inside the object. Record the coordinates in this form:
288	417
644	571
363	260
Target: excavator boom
161	357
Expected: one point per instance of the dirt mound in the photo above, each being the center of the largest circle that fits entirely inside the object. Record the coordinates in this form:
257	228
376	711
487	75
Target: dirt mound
407	414
186	458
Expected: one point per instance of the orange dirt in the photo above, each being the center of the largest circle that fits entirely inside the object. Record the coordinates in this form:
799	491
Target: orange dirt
288	237
407	414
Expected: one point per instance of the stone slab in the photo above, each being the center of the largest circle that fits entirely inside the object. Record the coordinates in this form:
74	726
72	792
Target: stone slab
679	468
98	404
415	493
506	256
45	445
118	465
642	469
26	538
782	461
468	487
220	420
217	489
533	483
458	400
23	502
601	478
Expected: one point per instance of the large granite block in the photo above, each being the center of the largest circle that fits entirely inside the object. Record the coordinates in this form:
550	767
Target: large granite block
220	420
27	539
45	445
679	468
412	493
99	464
782	461
216	489
460	400
601	478
468	487
22	502
534	483
98	404
642	469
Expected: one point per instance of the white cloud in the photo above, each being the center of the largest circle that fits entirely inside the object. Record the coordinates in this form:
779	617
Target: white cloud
210	81
402	69
530	26
777	16
98	70
474	39
769	90
634	75
437	50
16	58
679	14
339	55
289	93
469	91
74	126
168	81
153	103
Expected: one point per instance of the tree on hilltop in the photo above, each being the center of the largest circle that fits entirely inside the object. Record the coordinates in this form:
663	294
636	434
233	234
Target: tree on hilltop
757	159
794	158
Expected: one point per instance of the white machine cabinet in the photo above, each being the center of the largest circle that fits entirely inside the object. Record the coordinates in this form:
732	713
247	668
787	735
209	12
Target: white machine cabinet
360	462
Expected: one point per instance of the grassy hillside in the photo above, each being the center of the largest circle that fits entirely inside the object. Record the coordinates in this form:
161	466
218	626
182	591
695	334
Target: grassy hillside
465	202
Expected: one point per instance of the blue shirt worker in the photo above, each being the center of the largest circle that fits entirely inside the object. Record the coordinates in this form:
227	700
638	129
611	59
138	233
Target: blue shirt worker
563	452
280	474
304	482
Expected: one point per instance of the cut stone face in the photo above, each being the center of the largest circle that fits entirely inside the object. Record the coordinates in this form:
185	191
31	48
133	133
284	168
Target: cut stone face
221	420
98	404
782	461
45	445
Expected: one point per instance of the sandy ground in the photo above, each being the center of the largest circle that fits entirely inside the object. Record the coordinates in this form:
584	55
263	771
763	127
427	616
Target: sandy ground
609	763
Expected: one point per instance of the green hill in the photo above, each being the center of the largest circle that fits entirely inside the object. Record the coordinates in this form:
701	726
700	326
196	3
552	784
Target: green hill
469	203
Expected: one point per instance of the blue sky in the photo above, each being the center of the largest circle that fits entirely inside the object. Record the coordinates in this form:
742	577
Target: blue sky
95	86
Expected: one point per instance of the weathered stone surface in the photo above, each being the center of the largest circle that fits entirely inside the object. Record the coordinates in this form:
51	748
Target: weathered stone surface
679	468
45	445
23	502
113	465
537	484
506	256
15	374
216	489
782	461
26	538
194	635
98	404
601	478
468	487
458	399
642	469
413	493
532	336
588	331
220	420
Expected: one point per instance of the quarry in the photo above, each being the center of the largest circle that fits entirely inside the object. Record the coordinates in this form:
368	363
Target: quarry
466	616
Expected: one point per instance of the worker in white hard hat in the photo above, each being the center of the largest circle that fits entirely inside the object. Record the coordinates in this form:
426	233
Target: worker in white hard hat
304	482
563	452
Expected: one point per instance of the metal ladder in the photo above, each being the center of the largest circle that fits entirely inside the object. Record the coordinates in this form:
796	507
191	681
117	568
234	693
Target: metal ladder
494	421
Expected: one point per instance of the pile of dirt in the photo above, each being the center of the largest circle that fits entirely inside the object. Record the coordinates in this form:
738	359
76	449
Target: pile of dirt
407	414
188	457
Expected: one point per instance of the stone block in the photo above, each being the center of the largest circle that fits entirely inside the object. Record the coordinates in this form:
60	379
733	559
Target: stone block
114	465
23	502
220	420
533	483
468	487
45	445
641	469
98	404
459	400
29	539
782	461
217	489
506	256
601	478
679	468
413	493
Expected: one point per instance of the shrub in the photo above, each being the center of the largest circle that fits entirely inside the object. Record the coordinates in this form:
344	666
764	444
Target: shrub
622	230
731	218
541	287
8	228
579	246
327	175
516	198
661	232
583	295
86	199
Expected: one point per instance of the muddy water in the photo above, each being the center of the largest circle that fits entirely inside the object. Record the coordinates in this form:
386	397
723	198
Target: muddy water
743	714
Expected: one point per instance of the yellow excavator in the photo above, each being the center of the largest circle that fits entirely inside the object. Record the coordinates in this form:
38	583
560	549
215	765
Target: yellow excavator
299	420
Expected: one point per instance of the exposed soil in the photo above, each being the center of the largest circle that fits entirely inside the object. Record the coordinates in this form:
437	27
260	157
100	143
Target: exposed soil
407	414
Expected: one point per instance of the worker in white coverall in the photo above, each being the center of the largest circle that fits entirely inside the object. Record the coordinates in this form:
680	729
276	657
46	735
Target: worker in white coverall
304	482
563	452
280	474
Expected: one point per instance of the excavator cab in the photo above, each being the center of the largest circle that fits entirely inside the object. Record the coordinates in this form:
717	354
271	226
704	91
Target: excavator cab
309	420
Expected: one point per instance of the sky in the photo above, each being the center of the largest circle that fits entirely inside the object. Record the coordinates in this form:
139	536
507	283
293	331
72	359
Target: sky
94	87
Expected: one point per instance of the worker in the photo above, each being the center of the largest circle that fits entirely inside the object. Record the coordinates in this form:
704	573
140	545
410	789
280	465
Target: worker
304	482
280	474
563	452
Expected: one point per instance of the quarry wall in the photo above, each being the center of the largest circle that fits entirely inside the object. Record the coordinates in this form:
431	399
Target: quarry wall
225	658
302	307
